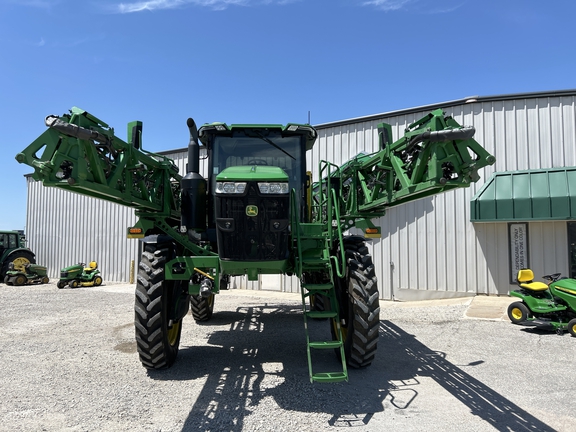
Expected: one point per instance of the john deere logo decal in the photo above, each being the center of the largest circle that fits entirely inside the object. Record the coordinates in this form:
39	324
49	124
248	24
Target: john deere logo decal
251	210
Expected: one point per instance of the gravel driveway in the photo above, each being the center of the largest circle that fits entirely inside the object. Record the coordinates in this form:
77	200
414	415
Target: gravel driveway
69	363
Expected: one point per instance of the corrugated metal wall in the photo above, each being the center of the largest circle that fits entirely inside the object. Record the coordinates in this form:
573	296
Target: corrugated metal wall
429	248
65	228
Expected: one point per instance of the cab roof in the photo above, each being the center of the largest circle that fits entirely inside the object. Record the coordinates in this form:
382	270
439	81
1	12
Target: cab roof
290	129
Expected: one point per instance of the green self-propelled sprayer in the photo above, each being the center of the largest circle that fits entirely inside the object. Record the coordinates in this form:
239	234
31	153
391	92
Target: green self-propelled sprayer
257	212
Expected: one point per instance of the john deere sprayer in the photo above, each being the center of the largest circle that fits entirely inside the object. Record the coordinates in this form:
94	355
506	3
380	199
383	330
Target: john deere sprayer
258	211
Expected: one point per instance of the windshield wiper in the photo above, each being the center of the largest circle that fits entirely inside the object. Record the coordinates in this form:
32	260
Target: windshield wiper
272	143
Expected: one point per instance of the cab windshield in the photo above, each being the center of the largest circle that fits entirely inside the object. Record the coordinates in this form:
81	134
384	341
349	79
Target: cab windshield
254	148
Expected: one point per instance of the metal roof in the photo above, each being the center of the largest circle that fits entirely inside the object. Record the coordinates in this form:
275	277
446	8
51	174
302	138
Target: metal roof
532	195
447	104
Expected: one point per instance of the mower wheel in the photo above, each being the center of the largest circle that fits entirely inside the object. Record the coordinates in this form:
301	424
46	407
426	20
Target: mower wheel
74	284
518	312
7	280
61	284
97	281
572	327
45	280
202	307
19	280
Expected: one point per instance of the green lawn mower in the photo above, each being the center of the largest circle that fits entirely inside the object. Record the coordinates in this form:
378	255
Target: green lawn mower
80	275
31	274
546	306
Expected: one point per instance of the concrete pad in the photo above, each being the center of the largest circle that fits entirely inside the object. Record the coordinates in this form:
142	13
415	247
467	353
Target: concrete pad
489	307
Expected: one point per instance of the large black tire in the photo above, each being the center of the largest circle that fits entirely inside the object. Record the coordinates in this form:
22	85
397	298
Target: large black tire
202	308
157	336
359	304
20	259
518	312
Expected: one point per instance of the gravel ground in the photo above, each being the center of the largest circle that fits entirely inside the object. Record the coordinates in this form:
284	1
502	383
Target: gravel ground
69	363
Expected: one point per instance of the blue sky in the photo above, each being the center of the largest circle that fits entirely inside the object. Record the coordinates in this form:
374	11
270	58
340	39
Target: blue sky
261	61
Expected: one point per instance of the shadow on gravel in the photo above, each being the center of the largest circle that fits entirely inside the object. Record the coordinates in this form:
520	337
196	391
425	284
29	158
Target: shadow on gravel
260	364
415	359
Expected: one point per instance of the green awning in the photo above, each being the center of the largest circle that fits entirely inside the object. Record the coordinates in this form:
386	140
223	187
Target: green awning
534	195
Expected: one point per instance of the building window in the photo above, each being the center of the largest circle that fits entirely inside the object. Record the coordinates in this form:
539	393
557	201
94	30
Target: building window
518	241
572	249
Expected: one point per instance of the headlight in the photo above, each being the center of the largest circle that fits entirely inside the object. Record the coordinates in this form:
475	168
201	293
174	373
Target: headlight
273	188
230	187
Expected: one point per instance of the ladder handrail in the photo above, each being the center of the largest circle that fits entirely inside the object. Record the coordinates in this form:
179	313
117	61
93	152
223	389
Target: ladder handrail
295	226
338	265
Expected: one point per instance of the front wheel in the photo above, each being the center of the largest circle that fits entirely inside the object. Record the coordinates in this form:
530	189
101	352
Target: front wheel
572	327
202	307
157	336
518	312
19	280
359	304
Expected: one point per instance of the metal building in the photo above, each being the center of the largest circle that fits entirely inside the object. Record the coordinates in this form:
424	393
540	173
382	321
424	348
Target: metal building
471	241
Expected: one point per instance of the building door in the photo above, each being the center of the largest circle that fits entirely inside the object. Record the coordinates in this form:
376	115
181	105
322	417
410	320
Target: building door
572	248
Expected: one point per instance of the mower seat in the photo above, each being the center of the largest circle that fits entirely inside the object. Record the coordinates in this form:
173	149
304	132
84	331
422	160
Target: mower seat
93	265
525	279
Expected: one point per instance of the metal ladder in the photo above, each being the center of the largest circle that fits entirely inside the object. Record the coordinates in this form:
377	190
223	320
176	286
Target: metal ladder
313	257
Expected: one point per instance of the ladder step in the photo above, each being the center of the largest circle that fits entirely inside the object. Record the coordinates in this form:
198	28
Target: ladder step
308	262
325	344
312	230
317	287
321	314
330	377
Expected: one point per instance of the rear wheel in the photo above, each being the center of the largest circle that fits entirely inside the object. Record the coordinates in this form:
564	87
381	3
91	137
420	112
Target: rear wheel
45	280
572	327
359	305
202	307
157	335
319	303
518	312
20	259
97	281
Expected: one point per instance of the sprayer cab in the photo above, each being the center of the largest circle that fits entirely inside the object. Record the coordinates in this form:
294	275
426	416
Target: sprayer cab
253	170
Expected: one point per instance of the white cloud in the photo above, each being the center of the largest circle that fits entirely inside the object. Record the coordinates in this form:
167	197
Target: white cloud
387	5
42	42
42	4
151	5
416	6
